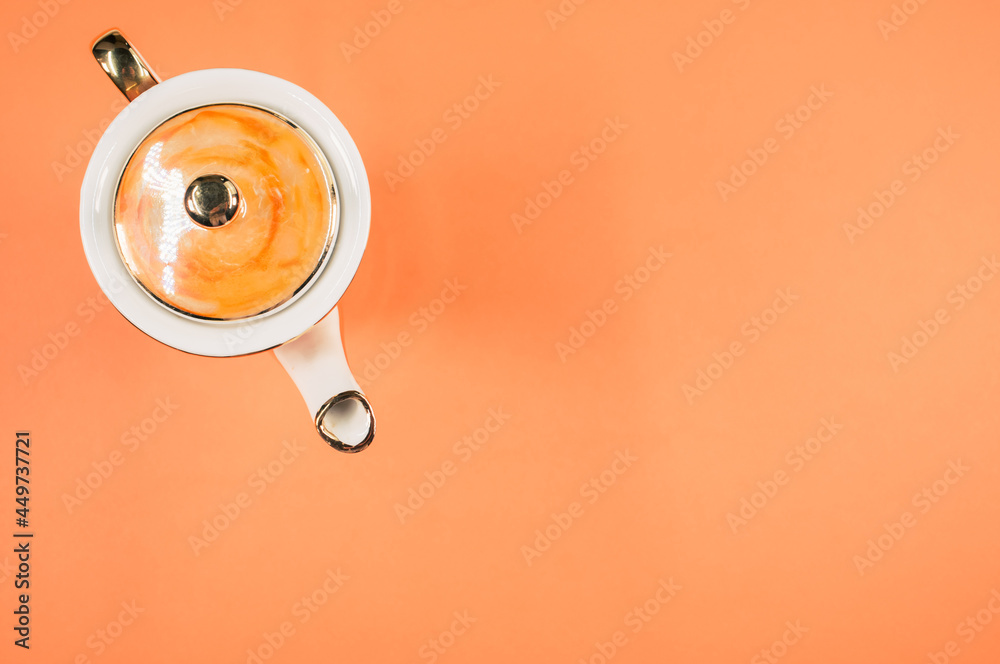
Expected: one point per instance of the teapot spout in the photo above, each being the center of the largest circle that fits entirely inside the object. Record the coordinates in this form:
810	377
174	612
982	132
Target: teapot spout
318	365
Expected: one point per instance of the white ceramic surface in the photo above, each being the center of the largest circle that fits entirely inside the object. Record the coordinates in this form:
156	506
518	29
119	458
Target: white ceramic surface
317	364
202	88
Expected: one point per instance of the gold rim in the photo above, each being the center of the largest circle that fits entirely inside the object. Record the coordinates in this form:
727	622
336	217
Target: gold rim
330	437
320	264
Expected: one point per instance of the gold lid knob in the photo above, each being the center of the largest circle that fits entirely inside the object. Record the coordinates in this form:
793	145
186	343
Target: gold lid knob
212	201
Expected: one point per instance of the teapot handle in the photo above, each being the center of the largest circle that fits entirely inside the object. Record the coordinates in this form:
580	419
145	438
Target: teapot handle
317	364
123	64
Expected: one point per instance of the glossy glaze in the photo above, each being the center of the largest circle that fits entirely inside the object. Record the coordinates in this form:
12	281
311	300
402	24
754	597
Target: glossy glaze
280	234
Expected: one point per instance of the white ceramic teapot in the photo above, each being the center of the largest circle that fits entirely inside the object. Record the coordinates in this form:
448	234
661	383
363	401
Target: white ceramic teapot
224	212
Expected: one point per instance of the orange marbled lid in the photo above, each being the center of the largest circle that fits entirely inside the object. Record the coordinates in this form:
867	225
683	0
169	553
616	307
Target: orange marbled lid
278	224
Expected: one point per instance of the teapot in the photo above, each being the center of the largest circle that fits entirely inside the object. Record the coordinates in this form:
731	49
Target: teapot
224	212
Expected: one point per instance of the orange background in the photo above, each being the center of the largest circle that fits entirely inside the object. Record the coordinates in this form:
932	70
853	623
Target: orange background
665	516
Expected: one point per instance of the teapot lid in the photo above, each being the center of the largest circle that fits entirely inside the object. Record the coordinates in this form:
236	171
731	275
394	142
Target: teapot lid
225	211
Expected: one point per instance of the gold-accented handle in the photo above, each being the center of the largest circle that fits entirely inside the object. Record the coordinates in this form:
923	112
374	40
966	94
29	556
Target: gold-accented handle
124	65
346	422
